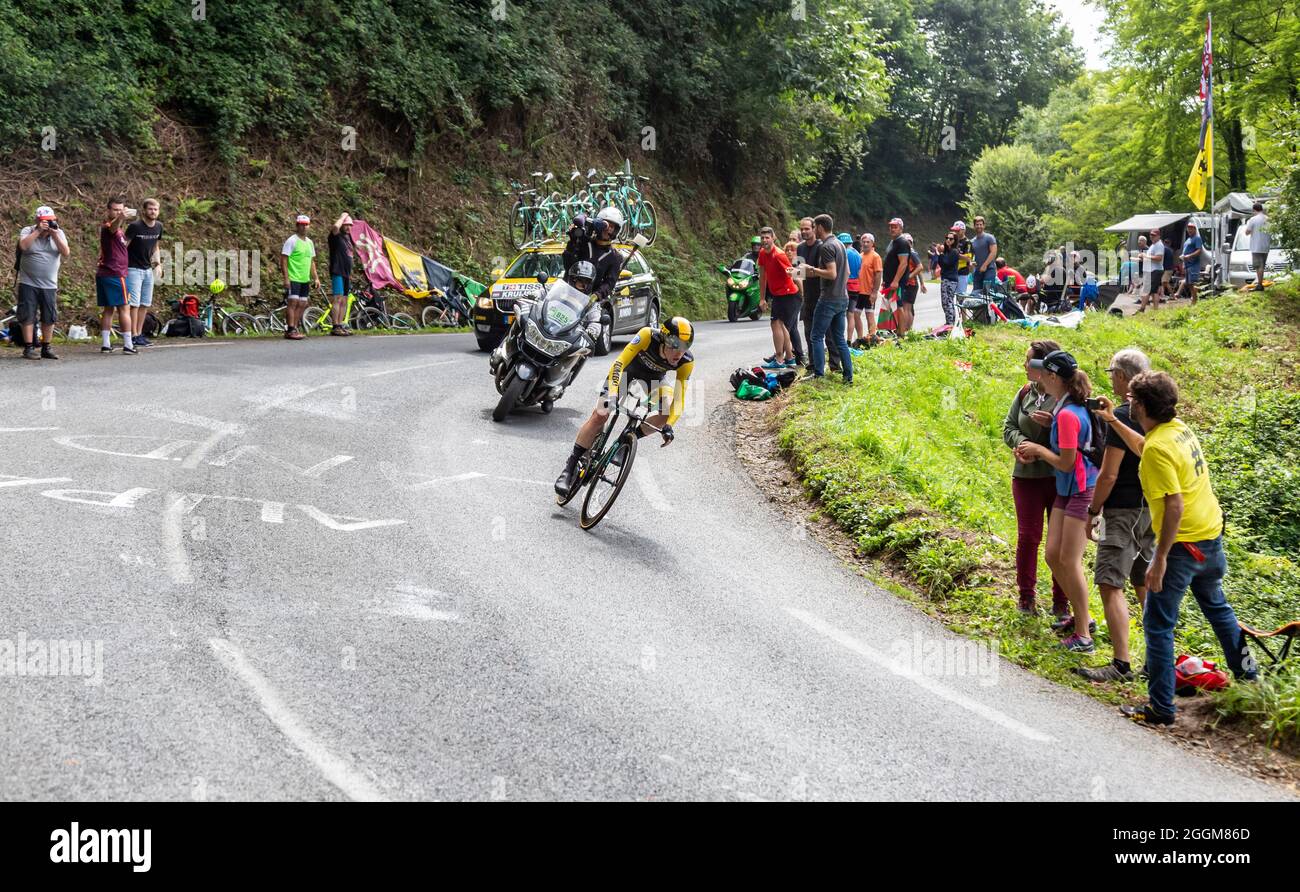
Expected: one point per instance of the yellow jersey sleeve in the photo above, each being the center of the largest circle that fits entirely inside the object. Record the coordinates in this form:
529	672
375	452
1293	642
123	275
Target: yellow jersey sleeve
679	391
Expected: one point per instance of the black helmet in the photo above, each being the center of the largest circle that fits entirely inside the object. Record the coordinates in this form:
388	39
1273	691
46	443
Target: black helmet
582	275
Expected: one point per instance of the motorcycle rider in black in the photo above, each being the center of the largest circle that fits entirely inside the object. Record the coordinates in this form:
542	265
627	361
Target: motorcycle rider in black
593	240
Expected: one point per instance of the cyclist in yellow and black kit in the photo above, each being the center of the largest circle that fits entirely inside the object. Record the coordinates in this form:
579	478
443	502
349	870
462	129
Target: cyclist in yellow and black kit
648	358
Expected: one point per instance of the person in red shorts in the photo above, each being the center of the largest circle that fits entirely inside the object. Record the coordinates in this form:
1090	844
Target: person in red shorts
776	287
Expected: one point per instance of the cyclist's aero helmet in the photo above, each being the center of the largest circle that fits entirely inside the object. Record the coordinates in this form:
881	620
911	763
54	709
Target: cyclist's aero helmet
581	276
676	333
612	216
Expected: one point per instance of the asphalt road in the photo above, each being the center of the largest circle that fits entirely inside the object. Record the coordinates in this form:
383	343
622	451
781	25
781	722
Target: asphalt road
318	570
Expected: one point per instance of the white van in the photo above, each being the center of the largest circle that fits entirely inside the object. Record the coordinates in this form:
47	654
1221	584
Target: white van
1240	270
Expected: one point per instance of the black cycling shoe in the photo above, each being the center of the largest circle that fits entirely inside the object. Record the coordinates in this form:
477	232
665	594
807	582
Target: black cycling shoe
568	477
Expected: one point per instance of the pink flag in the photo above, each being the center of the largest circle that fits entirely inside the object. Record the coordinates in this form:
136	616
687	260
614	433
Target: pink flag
371	254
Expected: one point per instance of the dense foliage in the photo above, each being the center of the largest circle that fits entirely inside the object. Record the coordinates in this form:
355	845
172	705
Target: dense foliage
833	95
1123	141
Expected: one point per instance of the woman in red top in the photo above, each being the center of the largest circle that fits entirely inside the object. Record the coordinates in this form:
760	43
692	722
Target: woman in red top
776	286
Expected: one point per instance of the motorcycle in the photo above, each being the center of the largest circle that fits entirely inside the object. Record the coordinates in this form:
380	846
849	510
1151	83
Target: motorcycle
742	290
544	350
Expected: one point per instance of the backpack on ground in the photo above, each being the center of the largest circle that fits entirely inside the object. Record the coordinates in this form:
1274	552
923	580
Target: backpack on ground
184	327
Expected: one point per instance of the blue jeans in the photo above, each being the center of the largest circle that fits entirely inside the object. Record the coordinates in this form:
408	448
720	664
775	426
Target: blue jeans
981	280
1161	616
829	317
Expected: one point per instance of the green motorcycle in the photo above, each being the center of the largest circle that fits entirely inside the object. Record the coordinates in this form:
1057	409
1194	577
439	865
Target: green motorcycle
742	290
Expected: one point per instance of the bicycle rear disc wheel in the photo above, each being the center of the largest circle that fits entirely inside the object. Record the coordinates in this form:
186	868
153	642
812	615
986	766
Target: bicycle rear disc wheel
603	489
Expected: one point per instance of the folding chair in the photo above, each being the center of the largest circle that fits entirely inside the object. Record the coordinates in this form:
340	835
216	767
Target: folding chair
1290	632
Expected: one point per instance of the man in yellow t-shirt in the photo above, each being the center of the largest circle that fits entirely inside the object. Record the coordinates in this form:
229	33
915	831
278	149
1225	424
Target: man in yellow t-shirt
1189	543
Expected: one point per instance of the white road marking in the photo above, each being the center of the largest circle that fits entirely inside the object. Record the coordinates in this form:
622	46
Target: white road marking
23	430
173	537
336	771
524	480
271	403
411	368
30	481
412	602
650	489
220	430
985	712
437	481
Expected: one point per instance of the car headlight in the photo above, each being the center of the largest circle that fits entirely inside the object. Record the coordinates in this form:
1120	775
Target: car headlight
534	336
485	302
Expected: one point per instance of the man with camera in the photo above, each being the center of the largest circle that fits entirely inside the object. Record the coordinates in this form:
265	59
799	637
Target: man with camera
593	241
42	248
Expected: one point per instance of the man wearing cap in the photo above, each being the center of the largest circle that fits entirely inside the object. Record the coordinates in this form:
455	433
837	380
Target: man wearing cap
298	264
1155	267
142	237
340	248
1191	258
853	286
42	248
868	288
110	277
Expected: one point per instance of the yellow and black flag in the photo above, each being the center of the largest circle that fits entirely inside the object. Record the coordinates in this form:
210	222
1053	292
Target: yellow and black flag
1203	168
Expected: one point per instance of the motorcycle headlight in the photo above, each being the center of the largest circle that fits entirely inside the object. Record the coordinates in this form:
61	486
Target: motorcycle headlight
550	347
731	283
485	302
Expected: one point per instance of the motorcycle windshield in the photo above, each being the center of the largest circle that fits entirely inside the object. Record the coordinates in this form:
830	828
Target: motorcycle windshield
743	269
561	309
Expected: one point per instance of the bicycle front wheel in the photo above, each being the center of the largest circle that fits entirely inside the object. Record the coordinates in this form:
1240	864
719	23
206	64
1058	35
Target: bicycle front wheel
313	318
238	324
402	322
607	481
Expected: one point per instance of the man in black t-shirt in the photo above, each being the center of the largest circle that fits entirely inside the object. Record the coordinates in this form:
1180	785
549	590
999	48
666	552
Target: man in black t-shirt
1126	541
809	252
340	248
142	238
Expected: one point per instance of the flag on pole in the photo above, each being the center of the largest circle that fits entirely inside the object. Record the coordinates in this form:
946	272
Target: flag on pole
1203	168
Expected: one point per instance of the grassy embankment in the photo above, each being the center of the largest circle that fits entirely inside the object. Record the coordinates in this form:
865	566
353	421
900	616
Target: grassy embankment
911	464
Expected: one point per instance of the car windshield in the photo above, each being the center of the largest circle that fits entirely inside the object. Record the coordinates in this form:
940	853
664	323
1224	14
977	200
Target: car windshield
744	266
562	307
528	265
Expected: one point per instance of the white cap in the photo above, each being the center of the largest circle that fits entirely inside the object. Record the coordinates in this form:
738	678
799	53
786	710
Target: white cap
302	219
45	212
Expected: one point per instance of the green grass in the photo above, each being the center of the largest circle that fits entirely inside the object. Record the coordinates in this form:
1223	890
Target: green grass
910	462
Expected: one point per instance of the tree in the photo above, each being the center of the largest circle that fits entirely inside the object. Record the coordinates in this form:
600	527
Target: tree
1010	186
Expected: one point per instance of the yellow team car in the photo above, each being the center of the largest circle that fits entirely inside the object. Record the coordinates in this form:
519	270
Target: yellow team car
634	304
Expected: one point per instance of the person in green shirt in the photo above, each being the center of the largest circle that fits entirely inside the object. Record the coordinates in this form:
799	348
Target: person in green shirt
298	265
